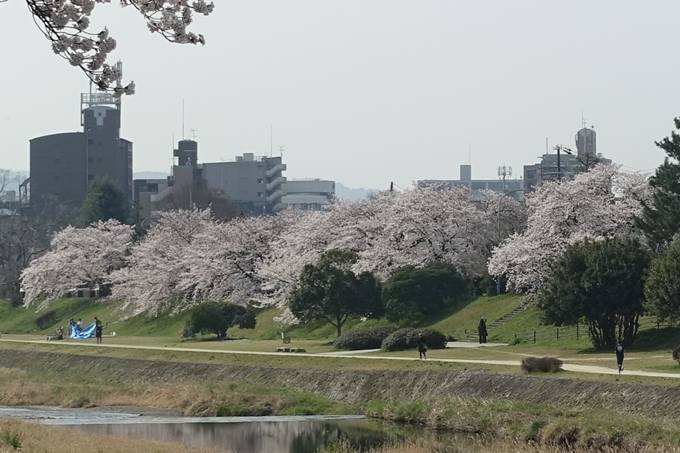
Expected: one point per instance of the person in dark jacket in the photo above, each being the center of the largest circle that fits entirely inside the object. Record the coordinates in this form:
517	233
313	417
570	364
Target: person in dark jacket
98	328
481	329
620	353
422	346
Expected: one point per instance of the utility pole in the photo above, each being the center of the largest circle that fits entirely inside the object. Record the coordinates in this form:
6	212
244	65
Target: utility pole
560	148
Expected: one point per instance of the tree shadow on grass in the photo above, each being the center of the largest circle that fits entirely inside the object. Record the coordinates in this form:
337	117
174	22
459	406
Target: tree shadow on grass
665	338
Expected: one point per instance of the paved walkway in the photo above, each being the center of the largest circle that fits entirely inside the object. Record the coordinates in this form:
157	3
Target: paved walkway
589	369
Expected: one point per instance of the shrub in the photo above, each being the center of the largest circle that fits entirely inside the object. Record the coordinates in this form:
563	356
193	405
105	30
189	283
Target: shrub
364	339
676	354
404	339
46	319
12	439
541	364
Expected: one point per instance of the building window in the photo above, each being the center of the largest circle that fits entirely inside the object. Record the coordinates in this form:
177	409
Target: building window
259	194
90	159
90	141
259	181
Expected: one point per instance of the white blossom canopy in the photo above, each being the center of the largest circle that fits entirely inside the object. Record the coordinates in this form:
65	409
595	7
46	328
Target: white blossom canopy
76	257
600	203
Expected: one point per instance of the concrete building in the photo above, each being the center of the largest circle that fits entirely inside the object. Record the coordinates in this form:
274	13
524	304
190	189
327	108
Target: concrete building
308	195
569	164
254	184
63	165
586	142
494	185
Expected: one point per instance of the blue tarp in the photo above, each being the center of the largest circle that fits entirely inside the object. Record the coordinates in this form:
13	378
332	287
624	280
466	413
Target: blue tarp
81	334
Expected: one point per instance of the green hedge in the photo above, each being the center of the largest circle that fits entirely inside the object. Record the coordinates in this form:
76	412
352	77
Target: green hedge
404	339
364	339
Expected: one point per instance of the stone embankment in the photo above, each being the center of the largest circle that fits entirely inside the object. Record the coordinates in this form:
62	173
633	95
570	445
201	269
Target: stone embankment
363	385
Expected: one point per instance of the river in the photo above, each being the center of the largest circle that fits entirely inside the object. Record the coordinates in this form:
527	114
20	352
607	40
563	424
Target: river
284	434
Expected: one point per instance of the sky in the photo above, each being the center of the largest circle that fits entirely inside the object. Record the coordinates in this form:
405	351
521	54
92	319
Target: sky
368	92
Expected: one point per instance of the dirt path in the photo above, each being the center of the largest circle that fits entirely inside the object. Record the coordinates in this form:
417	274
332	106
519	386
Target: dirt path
590	369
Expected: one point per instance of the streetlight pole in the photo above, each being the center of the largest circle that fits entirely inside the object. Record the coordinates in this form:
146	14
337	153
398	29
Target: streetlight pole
498	214
559	148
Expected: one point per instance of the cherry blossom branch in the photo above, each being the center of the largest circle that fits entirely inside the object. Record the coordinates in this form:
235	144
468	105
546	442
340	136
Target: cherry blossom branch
65	23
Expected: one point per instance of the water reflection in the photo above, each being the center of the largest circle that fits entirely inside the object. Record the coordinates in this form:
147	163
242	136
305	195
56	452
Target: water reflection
290	436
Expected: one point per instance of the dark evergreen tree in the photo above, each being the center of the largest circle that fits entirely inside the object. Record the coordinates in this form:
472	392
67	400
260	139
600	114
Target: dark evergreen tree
661	220
600	283
415	293
214	317
330	290
662	288
104	201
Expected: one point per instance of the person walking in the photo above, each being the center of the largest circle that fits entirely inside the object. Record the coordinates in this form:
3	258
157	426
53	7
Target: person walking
98	330
422	346
620	353
481	329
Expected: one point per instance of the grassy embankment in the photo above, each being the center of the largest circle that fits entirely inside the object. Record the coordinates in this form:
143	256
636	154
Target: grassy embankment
651	352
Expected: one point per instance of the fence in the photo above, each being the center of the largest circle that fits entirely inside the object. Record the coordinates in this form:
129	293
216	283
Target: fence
579	331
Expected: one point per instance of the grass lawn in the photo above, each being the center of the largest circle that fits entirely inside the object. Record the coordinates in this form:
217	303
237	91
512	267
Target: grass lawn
465	314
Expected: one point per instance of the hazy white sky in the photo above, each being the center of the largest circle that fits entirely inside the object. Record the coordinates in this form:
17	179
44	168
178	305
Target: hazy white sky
369	91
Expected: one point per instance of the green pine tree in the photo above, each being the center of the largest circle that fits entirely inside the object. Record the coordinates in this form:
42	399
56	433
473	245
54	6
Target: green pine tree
661	220
104	201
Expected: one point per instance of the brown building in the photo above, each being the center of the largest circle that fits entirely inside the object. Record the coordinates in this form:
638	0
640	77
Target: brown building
63	165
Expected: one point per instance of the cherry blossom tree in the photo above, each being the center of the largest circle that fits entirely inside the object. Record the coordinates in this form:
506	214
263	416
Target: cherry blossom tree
76	257
187	258
390	230
65	23
154	277
600	203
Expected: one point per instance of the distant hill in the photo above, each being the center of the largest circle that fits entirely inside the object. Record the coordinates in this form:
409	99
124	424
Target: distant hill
346	193
150	175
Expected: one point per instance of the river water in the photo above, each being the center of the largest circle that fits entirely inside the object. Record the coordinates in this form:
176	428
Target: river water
293	434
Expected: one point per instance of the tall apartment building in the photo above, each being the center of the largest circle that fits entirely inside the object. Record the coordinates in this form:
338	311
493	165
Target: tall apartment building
63	165
253	184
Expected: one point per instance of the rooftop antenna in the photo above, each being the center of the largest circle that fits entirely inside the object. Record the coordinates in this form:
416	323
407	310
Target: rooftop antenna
504	172
281	151
583	120
194	135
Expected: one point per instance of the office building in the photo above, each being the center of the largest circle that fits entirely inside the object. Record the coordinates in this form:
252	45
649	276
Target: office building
64	165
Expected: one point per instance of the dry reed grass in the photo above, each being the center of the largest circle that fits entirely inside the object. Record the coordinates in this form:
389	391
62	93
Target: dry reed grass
46	439
428	446
190	398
